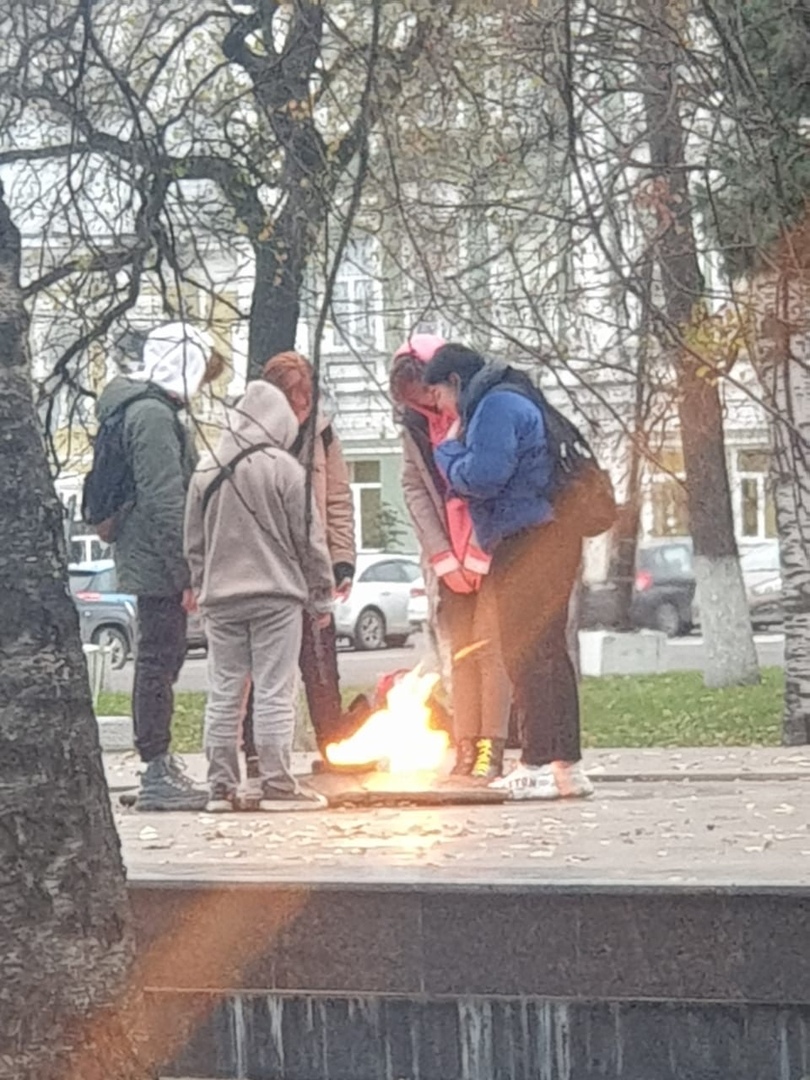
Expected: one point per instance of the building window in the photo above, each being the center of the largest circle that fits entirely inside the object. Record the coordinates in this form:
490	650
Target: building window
354	320
756	514
366	485
668	496
670	513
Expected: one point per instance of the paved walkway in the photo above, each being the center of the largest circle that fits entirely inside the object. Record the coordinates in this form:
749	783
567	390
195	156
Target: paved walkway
724	817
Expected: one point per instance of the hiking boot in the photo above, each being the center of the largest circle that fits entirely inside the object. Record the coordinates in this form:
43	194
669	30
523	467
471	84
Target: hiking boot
529	782
164	786
274	801
572	780
488	759
222	800
466	753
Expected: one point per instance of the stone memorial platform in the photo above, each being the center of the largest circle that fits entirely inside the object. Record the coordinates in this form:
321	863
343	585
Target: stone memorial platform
658	931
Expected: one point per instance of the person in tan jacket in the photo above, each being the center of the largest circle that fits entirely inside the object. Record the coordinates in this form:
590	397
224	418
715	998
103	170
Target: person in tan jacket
256	562
317	447
455	569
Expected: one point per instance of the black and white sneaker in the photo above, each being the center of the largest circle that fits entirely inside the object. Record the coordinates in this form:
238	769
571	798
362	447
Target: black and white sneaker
164	786
222	800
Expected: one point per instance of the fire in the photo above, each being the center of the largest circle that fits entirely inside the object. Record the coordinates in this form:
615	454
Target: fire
398	734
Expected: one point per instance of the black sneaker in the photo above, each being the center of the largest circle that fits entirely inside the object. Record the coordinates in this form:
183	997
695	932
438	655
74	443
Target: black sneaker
164	786
222	801
488	759
465	757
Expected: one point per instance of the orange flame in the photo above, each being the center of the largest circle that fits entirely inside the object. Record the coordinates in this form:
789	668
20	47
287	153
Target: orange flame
399	734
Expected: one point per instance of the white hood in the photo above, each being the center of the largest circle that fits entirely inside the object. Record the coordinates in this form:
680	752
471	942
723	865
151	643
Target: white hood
175	357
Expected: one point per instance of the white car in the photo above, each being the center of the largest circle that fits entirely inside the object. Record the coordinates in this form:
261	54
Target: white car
376	613
418	605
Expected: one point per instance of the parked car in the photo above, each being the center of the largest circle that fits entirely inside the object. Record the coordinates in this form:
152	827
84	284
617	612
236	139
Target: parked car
376	613
664	586
418	605
762	577
108	617
87	548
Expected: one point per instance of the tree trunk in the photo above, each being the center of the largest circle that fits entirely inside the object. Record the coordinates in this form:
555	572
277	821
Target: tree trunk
66	947
784	370
731	657
276	302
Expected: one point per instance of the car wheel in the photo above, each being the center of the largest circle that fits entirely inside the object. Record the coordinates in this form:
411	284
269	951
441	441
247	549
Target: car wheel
668	620
397	641
116	643
369	631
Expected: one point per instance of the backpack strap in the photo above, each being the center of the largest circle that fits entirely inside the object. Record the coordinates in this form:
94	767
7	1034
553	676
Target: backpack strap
227	471
327	438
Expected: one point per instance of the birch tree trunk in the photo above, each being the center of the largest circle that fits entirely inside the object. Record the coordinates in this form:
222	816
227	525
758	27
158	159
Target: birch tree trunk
731	657
65	942
782	358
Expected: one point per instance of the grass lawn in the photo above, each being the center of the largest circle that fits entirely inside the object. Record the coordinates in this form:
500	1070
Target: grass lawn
653	710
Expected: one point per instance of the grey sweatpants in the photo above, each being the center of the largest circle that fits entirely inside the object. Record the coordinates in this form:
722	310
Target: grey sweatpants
263	644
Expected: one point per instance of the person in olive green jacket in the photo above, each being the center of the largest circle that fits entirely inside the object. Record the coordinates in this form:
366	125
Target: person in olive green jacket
148	544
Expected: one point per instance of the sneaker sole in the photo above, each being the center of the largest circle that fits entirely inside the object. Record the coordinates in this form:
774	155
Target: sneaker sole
528	794
163	805
268	807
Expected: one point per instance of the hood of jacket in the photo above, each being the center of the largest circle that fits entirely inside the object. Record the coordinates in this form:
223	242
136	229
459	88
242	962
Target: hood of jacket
122	389
495	373
174	358
262	416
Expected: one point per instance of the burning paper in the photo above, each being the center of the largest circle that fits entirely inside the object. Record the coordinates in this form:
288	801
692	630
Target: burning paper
398	736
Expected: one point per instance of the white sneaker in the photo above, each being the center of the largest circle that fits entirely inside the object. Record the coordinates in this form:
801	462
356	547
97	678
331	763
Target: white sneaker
282	802
572	780
529	782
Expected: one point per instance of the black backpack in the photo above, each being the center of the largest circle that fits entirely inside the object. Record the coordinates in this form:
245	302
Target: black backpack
110	485
580	491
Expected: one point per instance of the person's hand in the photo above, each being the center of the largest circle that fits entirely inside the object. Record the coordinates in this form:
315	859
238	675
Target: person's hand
473	579
458	581
343	590
189	601
322	621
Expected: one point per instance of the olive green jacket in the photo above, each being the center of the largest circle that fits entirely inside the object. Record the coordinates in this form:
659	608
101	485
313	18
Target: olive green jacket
148	536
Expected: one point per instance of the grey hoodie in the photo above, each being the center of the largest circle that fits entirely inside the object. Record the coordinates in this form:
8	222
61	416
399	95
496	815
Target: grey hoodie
252	541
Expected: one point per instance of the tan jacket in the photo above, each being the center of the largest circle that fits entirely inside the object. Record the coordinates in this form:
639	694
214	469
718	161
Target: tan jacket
424	501
252	541
331	493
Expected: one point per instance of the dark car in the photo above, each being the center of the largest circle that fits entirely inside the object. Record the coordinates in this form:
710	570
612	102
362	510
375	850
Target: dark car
664	587
663	591
108	617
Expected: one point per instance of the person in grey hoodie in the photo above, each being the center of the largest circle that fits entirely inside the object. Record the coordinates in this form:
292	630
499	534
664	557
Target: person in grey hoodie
147	537
254	567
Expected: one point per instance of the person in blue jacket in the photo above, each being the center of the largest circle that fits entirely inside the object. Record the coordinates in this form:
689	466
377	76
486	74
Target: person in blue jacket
499	460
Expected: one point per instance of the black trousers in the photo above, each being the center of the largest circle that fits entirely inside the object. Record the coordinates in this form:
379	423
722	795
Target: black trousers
159	656
319	670
534	573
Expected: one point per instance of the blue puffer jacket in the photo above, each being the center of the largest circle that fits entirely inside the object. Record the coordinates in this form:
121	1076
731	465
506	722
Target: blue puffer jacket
502	465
